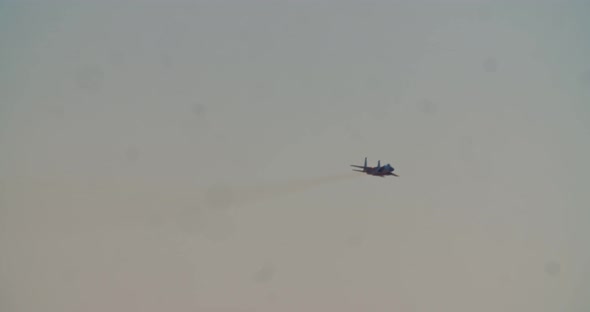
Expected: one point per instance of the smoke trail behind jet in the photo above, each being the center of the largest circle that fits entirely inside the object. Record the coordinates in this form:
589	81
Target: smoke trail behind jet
216	196
119	202
249	195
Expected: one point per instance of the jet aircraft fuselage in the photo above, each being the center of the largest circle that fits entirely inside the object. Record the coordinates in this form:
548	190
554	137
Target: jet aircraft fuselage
379	171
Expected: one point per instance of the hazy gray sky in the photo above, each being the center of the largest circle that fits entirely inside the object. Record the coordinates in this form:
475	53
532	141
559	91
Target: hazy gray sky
194	156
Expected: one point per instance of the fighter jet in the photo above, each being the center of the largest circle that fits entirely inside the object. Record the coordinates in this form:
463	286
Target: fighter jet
379	171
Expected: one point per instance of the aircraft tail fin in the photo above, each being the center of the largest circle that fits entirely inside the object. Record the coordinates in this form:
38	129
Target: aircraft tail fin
365	163
378	163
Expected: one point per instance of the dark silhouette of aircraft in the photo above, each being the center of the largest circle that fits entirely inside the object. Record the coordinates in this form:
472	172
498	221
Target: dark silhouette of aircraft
379	171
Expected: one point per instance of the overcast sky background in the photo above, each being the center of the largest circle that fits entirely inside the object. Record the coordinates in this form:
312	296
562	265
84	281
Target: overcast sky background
194	156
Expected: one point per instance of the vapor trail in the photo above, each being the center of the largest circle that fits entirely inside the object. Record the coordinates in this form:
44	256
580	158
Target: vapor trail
148	203
257	193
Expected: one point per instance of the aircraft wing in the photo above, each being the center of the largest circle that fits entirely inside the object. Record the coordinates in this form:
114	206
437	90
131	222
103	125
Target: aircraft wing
357	166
